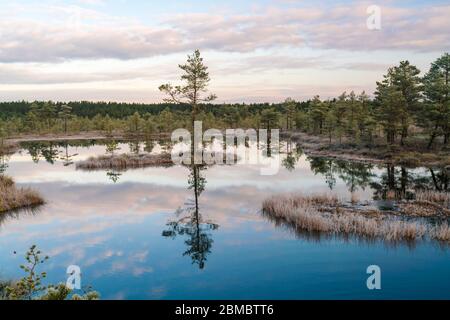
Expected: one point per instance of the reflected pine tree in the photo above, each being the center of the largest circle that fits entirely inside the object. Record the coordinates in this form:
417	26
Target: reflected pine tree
325	167
149	145
67	158
50	153
190	223
114	176
440	178
4	159
135	146
293	154
398	182
393	183
47	150
354	174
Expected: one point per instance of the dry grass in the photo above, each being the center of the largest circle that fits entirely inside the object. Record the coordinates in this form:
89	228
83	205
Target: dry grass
414	155
12	198
125	161
441	232
427	204
442	198
326	214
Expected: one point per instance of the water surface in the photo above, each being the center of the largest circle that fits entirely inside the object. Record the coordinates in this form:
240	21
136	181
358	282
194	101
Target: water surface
198	232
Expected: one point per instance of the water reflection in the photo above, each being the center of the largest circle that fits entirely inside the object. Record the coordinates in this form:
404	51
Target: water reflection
190	223
113	231
67	158
3	163
293	154
401	182
51	151
394	182
386	181
354	174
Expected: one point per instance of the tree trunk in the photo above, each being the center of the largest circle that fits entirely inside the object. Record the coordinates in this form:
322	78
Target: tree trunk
432	137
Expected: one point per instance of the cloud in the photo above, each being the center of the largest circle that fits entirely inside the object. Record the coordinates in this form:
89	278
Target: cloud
79	33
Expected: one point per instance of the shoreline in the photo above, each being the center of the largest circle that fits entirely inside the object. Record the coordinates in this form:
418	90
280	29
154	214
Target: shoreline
313	146
317	146
90	135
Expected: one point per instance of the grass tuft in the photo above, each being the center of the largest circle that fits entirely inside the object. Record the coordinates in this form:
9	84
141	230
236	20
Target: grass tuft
326	214
125	161
12	198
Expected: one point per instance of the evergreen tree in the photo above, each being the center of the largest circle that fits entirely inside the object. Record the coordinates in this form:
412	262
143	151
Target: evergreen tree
196	80
65	114
435	113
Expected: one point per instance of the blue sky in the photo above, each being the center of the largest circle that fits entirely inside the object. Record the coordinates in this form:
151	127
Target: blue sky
264	50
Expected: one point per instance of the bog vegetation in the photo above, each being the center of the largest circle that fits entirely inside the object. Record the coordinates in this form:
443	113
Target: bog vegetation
32	287
12	198
327	214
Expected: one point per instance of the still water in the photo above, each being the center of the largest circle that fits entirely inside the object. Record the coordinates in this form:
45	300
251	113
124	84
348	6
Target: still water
198	233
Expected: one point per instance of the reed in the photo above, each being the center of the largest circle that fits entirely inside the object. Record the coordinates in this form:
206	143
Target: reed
442	198
12	198
326	214
441	232
125	161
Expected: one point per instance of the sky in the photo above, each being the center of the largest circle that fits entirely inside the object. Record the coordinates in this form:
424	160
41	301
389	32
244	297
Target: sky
256	51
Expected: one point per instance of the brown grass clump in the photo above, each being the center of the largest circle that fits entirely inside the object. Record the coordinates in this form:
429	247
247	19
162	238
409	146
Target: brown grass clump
442	232
427	204
125	161
442	198
326	214
12	198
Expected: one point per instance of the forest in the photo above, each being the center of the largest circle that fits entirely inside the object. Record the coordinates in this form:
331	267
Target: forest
407	109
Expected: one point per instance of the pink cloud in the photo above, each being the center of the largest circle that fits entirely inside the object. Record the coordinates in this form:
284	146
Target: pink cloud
339	27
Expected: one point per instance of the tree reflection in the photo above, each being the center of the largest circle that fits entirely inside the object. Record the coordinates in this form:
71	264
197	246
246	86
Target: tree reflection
47	150
113	175
354	174
67	158
293	154
135	146
325	167
3	163
190	223
400	182
395	182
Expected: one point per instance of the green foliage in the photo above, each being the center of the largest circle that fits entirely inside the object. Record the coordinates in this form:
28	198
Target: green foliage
435	112
31	287
289	110
270	118
64	114
195	82
401	87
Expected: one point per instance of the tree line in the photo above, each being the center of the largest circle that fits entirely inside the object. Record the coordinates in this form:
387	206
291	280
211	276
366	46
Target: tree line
404	105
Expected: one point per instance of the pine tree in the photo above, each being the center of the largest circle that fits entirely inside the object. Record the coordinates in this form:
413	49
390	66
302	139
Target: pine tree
65	114
405	78
317	114
196	80
289	109
435	113
390	101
